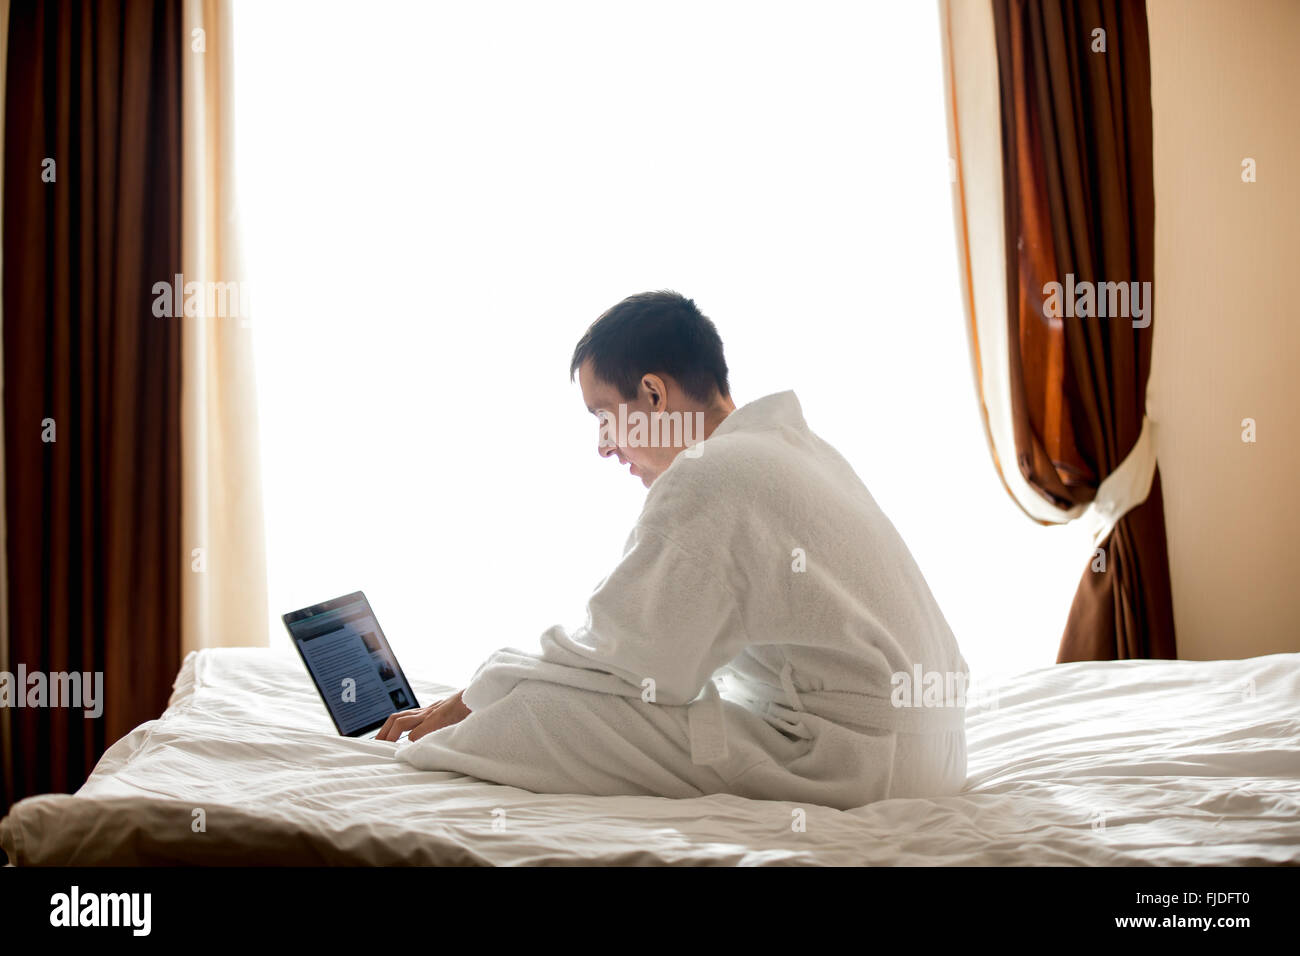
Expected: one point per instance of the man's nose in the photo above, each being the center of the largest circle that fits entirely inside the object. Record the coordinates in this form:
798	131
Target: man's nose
605	449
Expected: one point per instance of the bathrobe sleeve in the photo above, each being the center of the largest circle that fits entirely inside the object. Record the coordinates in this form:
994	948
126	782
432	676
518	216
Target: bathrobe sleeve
662	622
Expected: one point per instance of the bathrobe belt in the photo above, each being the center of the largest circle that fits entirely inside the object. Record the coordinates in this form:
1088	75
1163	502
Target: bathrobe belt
708	729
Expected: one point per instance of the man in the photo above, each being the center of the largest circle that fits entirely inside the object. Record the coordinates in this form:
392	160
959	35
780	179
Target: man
759	563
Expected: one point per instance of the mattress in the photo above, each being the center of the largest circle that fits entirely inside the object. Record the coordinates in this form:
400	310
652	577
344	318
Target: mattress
1116	763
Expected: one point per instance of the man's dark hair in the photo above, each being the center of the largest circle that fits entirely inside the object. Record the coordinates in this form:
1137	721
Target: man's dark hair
655	332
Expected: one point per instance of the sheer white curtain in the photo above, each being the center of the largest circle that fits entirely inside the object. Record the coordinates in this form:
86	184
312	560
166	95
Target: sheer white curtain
223	596
440	197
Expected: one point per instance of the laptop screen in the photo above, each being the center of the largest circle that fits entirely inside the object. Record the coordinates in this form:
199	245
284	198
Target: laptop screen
349	659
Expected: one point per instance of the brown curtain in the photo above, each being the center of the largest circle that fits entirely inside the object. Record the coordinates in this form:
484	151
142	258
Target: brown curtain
94	550
1079	200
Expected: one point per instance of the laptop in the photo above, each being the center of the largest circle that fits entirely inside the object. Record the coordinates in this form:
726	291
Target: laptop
348	657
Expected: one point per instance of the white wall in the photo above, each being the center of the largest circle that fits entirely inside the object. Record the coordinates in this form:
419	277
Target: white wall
1225	86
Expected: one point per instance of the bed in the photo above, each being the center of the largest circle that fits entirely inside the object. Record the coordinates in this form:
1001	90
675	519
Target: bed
1118	763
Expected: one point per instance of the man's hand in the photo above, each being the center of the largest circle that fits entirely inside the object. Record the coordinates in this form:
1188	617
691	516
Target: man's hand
425	720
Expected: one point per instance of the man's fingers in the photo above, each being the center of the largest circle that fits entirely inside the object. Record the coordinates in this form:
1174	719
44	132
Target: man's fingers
420	731
448	712
424	720
403	724
435	721
398	722
385	731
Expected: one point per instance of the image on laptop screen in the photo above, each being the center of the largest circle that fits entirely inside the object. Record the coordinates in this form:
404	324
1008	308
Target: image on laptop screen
349	659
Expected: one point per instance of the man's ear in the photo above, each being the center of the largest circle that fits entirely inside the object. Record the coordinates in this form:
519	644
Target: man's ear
655	391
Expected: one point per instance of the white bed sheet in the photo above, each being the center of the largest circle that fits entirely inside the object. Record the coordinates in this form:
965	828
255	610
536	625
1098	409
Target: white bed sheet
1135	762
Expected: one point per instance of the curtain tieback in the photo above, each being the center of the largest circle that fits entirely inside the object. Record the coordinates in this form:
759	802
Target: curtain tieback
1126	487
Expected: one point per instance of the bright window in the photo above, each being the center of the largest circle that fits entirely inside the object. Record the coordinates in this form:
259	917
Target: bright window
437	200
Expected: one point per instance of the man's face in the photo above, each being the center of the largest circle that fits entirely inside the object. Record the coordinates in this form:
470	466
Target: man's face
644	461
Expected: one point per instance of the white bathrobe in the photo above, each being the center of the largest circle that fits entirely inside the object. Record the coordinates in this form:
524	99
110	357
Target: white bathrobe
763	635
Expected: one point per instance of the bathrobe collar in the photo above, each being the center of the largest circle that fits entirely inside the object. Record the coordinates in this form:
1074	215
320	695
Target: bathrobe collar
779	408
